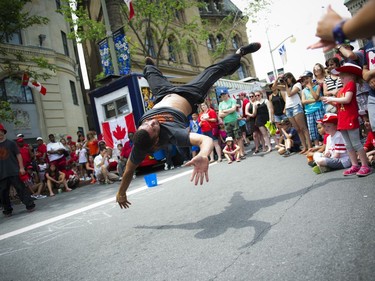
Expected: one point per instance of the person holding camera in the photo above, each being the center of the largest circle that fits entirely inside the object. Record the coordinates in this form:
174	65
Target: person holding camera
314	109
293	107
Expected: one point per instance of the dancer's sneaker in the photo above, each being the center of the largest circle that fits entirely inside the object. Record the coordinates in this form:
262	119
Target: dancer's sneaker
251	48
149	61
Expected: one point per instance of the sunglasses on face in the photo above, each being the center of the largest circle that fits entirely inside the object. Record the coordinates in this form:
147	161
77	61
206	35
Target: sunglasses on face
251	96
257	95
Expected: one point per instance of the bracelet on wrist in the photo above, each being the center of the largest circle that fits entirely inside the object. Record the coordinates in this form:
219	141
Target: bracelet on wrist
338	33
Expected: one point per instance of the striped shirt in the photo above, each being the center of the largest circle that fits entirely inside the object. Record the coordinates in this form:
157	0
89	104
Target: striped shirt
333	84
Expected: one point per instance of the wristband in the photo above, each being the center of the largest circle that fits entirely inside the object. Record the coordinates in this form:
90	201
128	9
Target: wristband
338	33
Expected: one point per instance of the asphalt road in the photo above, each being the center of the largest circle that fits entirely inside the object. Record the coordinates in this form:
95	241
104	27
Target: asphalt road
266	218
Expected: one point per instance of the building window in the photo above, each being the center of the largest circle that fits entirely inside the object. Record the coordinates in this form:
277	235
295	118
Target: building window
241	72
13	92
236	43
58	4
74	92
150	45
65	43
14	38
171	49
191	54
211	43
116	108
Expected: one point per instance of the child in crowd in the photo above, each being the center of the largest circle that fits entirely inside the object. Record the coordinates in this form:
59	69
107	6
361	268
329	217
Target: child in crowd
194	128
73	154
335	155
231	150
369	145
90	168
319	148
347	114
291	140
81	152
30	180
71	176
42	167
55	179
222	135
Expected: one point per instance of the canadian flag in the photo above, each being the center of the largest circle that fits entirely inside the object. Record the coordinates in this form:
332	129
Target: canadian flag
130	8
32	83
116	131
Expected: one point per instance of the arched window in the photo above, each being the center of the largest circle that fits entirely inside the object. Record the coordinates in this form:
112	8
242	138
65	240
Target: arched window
219	39
172	49
150	44
242	72
211	43
191	53
12	91
236	42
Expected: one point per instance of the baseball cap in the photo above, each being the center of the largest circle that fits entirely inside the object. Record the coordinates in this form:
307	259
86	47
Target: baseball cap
39	138
307	73
20	136
68	137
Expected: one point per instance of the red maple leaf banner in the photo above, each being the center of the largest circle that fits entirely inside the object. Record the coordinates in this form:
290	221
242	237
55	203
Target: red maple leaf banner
119	133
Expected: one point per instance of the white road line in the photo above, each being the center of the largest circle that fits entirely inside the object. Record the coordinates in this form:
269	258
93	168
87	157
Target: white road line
81	210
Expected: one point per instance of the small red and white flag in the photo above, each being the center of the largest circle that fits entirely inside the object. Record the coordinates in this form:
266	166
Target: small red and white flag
130	8
32	83
116	131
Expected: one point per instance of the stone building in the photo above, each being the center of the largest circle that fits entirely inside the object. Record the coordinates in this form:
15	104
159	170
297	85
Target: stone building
61	111
178	64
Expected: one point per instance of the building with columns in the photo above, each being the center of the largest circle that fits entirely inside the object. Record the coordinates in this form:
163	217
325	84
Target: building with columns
61	110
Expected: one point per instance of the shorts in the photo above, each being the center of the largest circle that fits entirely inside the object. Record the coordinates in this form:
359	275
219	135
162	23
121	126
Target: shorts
278	118
293	111
233	130
209	134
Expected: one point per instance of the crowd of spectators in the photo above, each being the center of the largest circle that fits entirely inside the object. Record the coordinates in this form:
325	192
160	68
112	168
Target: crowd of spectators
323	114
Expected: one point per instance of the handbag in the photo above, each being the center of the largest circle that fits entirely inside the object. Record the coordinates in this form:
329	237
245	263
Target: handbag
271	128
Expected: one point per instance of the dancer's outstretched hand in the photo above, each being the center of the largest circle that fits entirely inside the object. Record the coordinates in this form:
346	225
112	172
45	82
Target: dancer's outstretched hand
200	171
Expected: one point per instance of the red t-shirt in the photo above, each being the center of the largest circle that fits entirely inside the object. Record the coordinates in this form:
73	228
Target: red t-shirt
207	126
125	151
370	141
41	150
25	153
244	103
347	114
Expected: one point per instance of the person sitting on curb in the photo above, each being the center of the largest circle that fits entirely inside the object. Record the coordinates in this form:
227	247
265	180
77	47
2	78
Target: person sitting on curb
290	137
319	148
55	179
101	163
231	150
335	155
166	122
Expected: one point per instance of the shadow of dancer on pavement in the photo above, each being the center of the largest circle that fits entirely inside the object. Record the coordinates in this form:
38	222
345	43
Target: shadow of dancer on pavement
239	213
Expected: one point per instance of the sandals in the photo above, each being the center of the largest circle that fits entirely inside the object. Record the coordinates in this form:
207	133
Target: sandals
238	160
230	162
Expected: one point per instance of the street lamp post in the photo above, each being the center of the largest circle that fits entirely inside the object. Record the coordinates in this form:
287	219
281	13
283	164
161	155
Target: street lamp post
293	39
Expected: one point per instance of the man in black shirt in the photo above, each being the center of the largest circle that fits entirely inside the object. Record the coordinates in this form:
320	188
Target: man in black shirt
11	167
167	121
